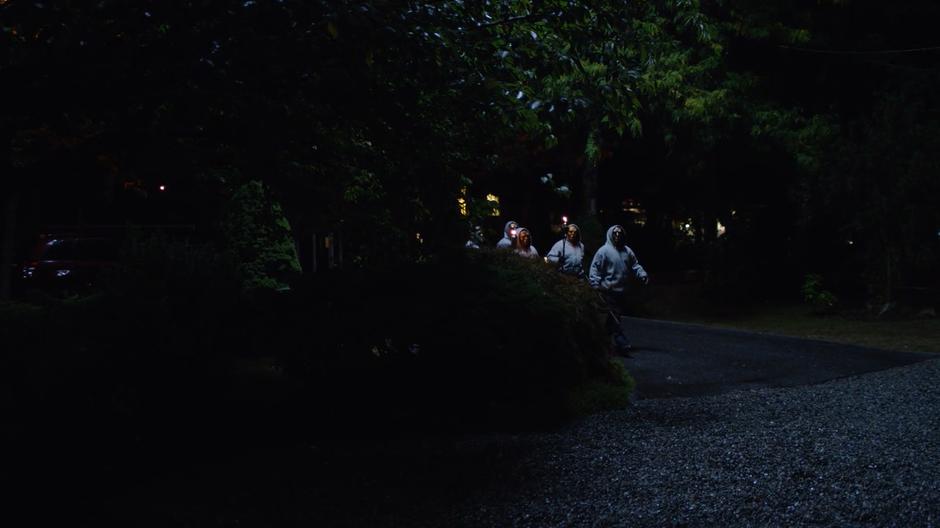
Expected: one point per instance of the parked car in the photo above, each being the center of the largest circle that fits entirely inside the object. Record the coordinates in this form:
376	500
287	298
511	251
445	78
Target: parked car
62	263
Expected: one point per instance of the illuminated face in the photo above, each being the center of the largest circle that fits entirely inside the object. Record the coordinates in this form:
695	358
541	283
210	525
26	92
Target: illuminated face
617	236
572	234
524	239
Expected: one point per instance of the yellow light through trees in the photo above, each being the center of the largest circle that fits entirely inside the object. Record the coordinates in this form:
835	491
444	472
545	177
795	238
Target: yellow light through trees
636	212
494	203
462	205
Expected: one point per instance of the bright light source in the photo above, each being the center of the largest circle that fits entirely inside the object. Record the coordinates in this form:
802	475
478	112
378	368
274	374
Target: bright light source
162	188
720	229
564	219
62	273
851	242
685	226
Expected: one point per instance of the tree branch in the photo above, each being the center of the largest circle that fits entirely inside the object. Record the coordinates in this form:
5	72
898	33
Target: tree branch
511	20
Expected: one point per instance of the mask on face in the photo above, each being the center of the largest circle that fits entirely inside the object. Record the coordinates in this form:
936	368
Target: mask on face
524	239
617	237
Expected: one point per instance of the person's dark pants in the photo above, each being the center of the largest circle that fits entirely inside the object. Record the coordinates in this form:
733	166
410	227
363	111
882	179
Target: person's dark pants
616	302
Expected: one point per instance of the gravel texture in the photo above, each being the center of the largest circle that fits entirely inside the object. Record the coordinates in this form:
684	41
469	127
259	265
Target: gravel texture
859	451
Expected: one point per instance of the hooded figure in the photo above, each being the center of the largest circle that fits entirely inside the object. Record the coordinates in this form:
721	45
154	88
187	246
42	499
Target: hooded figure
509	235
524	245
568	253
614	263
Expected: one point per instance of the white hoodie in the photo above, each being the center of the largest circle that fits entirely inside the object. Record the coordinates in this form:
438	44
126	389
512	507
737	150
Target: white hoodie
567	256
529	252
612	266
506	241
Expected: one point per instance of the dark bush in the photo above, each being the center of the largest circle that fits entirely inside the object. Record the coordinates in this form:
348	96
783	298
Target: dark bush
484	339
175	352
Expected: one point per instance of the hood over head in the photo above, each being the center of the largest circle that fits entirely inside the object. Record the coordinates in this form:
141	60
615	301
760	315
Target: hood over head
577	238
506	228
610	235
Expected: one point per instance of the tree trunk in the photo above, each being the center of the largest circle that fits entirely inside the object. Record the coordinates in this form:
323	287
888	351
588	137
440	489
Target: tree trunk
710	224
889	271
889	254
7	243
589	191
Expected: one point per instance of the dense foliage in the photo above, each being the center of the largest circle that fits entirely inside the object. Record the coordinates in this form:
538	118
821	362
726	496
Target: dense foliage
256	231
371	113
858	82
372	117
171	355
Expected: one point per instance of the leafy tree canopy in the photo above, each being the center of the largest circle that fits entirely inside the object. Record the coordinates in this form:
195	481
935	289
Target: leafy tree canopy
373	116
342	106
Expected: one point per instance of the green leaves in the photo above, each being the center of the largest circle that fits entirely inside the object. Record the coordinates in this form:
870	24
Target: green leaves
441	90
591	149
259	235
363	188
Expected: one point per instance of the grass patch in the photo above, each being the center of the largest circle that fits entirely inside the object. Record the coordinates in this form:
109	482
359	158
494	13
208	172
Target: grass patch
910	335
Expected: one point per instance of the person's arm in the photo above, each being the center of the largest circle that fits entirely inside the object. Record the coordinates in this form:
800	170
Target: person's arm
554	254
580	267
634	265
598	265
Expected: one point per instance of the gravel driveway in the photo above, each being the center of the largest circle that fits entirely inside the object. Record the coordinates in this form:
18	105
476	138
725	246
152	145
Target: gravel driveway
760	439
860	451
764	441
754	445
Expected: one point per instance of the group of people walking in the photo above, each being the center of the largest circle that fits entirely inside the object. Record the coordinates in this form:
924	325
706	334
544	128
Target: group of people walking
613	266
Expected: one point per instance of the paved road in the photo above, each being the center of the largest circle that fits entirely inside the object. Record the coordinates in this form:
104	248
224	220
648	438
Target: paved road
676	359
